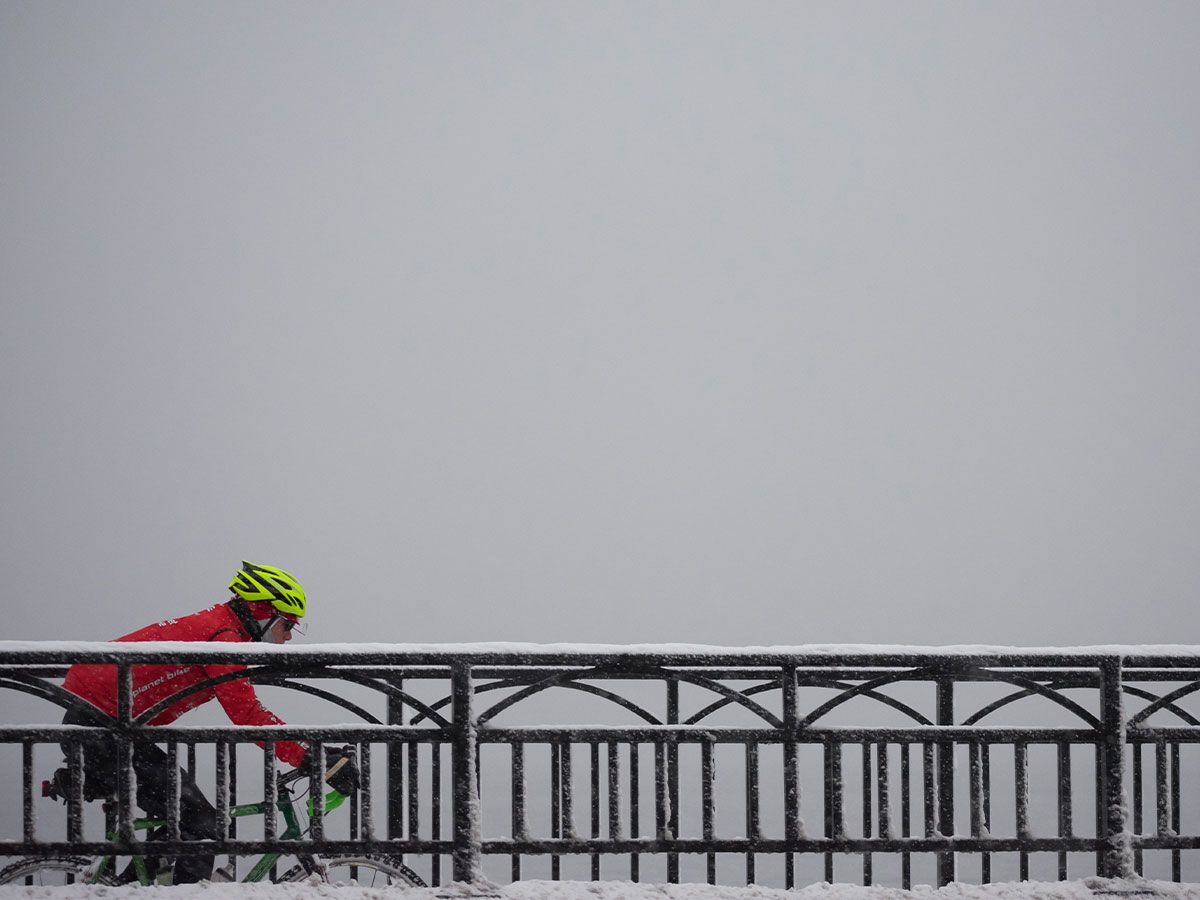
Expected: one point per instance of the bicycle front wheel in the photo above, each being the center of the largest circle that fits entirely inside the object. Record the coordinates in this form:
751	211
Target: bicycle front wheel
53	870
366	869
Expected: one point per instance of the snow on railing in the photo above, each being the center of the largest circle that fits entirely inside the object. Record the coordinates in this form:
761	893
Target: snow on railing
505	727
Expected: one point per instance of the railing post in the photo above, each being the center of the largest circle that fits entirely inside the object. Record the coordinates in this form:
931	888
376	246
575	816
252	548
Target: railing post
672	773
1118	853
791	774
467	851
945	779
124	753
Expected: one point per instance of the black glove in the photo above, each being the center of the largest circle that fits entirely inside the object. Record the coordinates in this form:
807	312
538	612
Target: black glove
306	764
59	786
341	771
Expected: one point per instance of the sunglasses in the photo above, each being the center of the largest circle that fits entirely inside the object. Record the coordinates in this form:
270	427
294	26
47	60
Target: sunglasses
288	625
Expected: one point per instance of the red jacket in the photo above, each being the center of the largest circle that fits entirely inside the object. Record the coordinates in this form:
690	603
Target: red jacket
97	684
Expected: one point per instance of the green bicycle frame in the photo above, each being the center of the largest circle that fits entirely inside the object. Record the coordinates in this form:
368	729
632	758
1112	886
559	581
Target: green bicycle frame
260	870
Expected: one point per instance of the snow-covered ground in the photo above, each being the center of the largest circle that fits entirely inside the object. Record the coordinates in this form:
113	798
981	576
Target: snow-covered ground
620	890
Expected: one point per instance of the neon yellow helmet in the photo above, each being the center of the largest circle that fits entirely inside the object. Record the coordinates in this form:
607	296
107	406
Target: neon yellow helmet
255	582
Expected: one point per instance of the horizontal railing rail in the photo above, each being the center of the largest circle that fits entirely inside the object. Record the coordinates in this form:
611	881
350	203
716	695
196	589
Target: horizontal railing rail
668	762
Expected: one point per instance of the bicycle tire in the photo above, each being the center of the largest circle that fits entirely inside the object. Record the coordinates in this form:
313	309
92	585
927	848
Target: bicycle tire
61	866
391	868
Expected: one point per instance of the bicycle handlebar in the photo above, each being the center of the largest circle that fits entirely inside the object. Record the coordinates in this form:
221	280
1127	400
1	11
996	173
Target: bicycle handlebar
342	775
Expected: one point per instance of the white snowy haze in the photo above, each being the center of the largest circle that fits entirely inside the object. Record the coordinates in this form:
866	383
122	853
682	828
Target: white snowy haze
733	323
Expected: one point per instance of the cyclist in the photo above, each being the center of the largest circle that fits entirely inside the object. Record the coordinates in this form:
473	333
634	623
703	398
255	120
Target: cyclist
265	604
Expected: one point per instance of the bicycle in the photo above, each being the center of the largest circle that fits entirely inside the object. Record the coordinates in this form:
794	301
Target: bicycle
144	870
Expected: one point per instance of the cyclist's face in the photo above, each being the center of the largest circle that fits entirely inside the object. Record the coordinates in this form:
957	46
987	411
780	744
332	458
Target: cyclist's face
279	632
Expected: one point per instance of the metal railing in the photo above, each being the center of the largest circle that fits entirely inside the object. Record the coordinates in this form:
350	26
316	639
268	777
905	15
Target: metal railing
835	764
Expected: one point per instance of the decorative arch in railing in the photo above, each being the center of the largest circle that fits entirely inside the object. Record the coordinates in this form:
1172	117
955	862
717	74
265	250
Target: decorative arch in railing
38	687
1029	688
571	683
572	679
716	705
844	687
274	677
870	689
542	684
282	678
1166	701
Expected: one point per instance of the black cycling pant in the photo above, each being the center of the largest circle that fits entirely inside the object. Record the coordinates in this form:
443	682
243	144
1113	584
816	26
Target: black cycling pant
152	768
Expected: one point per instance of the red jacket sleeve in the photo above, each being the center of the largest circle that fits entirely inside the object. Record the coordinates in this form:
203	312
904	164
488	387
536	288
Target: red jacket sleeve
243	707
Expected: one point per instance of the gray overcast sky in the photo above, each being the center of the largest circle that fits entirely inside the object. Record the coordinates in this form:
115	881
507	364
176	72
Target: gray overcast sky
731	323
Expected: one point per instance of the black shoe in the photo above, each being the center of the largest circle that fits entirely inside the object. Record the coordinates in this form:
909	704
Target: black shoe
130	874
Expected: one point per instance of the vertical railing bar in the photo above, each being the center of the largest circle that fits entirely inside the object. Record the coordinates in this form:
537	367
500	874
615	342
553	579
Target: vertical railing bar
233	795
976	788
356	815
28	827
1136	750
173	790
1176	859
270	800
660	790
634	812
355	820
883	799
367	808
555	805
929	789
753	832
834	823
75	800
273	874
316	787
975	799
905	814
986	752
1065	823
191	760
1101	789
595	805
827	799
568	791
410	754
435	809
867	803
356	810
707	773
1161	797
520	829
614	791
1021	778
222	792
673	780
